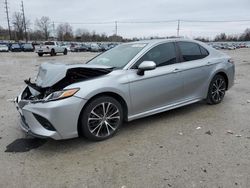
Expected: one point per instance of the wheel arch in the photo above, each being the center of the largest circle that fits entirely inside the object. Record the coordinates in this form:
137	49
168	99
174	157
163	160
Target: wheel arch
116	96
219	72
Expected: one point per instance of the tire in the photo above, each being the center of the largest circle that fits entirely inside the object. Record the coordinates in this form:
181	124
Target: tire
98	124
217	90
65	51
40	54
52	53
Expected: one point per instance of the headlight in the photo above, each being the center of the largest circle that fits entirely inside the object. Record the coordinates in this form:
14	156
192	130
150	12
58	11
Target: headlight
61	94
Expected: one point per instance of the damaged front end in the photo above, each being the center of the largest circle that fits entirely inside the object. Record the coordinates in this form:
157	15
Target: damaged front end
42	113
55	77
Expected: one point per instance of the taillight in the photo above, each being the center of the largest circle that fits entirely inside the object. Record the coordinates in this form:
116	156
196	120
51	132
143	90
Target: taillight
231	61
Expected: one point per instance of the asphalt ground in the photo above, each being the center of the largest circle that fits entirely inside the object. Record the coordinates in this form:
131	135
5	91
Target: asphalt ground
198	145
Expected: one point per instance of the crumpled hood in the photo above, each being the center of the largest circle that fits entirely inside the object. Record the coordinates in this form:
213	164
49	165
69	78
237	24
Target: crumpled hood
50	74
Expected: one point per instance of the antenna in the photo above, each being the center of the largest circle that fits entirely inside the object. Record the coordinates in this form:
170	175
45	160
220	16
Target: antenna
24	23
7	13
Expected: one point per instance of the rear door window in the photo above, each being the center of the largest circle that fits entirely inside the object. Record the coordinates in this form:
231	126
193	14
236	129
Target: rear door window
191	51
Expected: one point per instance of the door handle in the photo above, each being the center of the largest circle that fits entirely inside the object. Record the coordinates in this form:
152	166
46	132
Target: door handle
208	63
176	70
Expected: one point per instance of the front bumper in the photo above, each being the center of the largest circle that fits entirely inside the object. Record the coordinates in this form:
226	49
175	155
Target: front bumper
231	76
25	128
62	114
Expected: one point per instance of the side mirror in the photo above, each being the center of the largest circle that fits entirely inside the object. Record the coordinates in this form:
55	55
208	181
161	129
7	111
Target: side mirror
145	66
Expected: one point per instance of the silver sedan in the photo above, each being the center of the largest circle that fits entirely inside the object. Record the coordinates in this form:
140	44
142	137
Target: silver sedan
130	81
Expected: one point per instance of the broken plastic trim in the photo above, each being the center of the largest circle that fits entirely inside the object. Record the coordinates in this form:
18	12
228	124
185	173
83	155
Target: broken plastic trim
73	75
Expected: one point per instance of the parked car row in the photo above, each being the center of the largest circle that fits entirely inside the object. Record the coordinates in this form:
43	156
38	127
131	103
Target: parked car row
54	47
229	45
16	47
91	47
69	46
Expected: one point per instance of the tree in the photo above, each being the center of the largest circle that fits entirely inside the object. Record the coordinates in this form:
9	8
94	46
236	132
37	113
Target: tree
65	32
18	25
202	39
246	35
221	37
232	38
44	26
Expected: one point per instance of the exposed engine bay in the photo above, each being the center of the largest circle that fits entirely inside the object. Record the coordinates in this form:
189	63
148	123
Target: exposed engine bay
55	77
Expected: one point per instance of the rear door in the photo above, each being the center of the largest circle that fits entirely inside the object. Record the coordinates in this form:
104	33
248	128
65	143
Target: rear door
194	67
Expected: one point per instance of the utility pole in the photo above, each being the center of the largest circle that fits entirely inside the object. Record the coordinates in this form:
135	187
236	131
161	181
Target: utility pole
178	28
54	35
8	20
116	28
24	23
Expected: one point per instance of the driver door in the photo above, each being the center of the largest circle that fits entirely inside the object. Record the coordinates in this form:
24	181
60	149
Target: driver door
159	87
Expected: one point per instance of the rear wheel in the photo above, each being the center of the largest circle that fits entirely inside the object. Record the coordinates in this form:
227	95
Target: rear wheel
65	51
52	53
40	54
101	118
217	90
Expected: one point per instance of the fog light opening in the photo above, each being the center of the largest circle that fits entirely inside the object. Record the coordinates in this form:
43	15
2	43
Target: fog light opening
44	122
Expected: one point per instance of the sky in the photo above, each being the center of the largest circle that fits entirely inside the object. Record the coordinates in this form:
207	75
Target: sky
78	12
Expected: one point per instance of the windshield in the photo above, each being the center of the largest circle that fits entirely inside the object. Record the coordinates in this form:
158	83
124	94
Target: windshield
16	45
27	46
119	56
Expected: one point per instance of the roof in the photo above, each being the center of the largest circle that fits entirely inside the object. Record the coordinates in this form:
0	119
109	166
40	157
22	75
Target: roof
157	41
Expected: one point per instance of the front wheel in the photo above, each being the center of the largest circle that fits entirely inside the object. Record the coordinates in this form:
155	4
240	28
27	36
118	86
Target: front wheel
40	54
217	90
101	118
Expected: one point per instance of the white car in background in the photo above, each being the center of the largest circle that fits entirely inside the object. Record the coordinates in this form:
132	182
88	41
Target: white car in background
52	48
94	47
4	48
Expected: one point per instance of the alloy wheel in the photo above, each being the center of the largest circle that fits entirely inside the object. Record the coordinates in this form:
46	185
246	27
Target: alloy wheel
218	89
104	119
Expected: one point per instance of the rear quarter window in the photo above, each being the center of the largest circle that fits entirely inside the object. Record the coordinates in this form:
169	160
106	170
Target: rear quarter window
204	52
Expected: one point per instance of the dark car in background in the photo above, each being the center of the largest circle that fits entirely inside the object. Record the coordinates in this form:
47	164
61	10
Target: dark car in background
27	47
80	48
15	47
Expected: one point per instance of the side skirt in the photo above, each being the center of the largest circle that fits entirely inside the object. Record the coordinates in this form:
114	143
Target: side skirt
163	109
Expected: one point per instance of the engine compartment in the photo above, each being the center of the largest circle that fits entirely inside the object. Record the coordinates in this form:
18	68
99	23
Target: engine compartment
73	75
